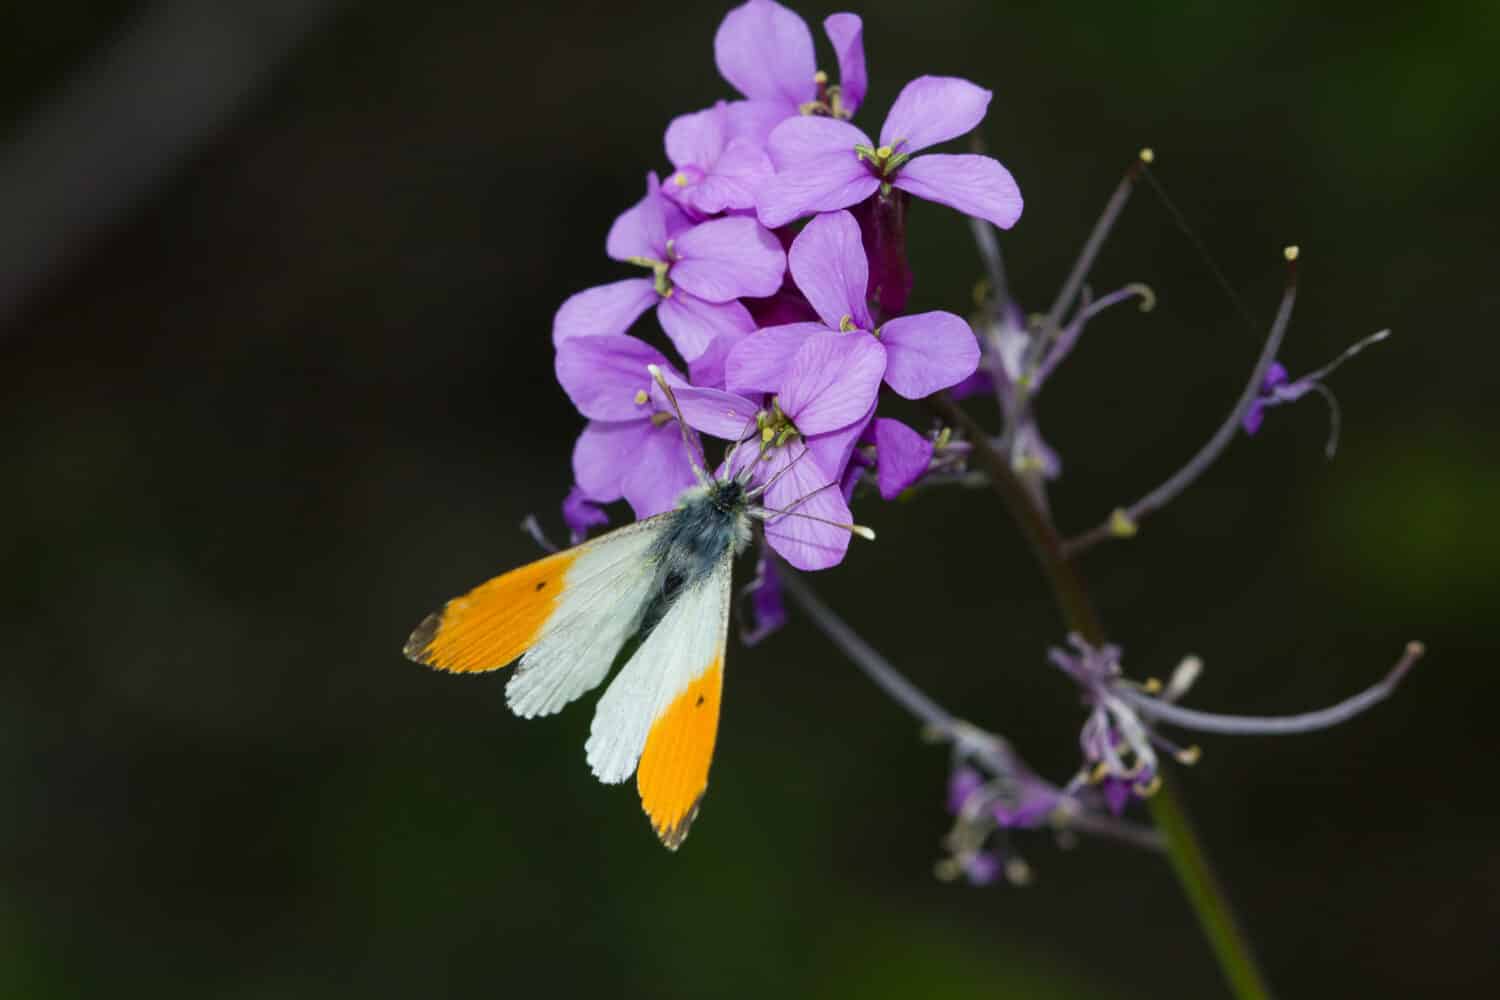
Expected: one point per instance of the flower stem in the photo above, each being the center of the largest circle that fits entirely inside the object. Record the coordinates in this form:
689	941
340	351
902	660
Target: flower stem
1210	904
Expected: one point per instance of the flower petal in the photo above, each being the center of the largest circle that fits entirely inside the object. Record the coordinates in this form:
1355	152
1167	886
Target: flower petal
824	185
720	414
828	263
832	381
642	230
603	310
835	450
901	456
786	306
811	138
846	32
805	488
660	470
606	377
1254	416
766	52
928	352
760	362
580	513
604	454
692	323
725	259
755	120
697	139
732	184
767	611
933	109
975	185
707	369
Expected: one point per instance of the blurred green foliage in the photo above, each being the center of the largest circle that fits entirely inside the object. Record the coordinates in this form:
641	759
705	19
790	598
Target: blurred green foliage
302	396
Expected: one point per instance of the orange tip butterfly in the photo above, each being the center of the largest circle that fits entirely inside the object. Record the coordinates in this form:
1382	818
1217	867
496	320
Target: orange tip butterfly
665	580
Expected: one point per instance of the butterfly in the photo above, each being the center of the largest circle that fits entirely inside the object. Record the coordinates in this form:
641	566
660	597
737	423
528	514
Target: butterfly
664	582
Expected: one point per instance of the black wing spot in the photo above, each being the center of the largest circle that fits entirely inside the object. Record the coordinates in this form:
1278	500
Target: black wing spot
699	702
541	586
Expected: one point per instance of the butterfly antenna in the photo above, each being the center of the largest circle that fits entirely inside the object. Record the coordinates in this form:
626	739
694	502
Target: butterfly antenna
765	513
735	447
694	447
752	494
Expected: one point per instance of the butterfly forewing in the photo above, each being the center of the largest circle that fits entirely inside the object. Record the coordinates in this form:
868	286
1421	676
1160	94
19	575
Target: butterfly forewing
569	613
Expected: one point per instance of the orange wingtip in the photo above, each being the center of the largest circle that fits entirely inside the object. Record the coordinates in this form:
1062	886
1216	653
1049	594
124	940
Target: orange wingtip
495	622
673	772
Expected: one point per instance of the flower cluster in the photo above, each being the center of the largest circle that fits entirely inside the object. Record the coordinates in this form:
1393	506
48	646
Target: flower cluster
775	260
775	265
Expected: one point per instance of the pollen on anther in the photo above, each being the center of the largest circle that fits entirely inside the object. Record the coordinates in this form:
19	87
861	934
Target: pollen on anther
820	78
640	397
1121	525
1148	155
1291	253
680	179
884	152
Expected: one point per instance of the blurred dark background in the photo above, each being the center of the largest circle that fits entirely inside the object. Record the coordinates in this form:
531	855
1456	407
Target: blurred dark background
277	290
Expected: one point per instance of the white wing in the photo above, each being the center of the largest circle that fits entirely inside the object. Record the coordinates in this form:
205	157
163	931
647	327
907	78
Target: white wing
686	643
598	606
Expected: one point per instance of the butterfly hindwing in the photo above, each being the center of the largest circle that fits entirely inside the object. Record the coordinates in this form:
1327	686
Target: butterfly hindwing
662	711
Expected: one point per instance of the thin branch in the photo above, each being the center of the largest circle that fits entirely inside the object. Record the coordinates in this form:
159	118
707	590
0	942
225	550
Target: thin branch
989	249
1112	210
1304	722
1123	522
886	677
989	749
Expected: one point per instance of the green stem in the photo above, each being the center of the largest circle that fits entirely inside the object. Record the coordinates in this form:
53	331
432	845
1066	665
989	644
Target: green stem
1210	904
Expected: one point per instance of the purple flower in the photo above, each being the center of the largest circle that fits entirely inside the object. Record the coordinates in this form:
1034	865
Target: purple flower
767	612
1120	739
632	447
921	353
1255	414
580	513
716	171
766	52
807	434
823	164
1277	388
901	456
698	273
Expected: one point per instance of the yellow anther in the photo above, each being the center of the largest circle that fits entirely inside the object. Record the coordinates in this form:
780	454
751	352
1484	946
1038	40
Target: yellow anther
1099	773
1189	755
1147	154
640	396
680	179
1150	788
1017	872
1291	253
1121	525
820	78
1152	686
846	323
767	433
884	152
